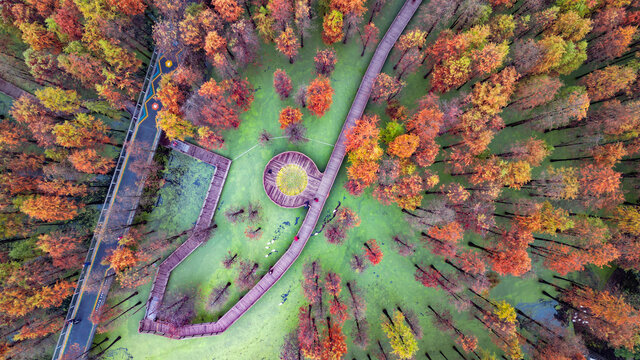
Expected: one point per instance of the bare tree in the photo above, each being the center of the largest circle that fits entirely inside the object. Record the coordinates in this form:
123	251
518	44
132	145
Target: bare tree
218	297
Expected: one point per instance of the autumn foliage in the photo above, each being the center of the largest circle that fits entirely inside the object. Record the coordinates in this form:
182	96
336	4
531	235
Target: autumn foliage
289	116
319	96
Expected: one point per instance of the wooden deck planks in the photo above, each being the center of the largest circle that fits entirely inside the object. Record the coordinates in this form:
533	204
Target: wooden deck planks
324	184
200	231
314	177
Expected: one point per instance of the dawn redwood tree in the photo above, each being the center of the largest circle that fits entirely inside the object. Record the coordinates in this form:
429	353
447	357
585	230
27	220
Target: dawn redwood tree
334	344
332	27
385	88
64	249
247	275
444	239
129	7
412	321
216	107
302	18
338	309
558	342
600	186
311	283
489	58
364	153
516	174
409	63
281	11
412	39
586	243
296	133
84	131
570	105
67	17
614	118
230	10
171	94
289	116
532	151
607	82
240	92
372	251
218	297
174	126
608	316
332	284
336	230
319	96
404	145
50	208
612	44
369	35
627	219
535	91
308	333
541	218
287	44
300	97
282	83
244	42
403	246
44	68
124	257
235	214
358	263
325	61
90	162
60	100
229	260
401	338
290	349
352	12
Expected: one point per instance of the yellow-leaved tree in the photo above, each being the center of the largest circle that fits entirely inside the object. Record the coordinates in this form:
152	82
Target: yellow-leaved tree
505	312
402	340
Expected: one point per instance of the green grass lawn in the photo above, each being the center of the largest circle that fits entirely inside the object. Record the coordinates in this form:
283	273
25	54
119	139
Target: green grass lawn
259	334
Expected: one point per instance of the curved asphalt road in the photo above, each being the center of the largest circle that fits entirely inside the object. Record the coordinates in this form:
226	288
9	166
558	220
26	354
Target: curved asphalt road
146	132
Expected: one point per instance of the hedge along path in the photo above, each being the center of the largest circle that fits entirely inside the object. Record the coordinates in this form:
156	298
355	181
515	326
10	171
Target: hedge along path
150	325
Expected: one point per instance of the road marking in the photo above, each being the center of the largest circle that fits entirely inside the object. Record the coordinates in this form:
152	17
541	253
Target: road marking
93	256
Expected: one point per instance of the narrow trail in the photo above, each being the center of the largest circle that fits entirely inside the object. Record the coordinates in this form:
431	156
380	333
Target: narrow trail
148	325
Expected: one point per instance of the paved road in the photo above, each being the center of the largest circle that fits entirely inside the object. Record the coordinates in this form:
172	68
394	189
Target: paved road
88	298
150	325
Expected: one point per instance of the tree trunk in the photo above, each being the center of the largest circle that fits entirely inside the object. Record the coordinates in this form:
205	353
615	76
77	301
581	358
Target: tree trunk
459	353
122	313
125	299
98	355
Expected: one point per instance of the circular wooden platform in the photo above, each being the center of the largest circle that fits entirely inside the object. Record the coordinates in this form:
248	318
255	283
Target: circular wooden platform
278	162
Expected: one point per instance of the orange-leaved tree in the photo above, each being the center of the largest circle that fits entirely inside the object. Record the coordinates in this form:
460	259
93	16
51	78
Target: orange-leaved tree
319	96
290	115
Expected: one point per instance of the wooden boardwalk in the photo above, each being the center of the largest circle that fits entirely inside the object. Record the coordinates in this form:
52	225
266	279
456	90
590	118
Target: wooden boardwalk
202	228
148	325
314	176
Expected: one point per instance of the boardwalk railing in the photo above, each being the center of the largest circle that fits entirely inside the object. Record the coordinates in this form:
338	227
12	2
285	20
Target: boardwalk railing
99	229
200	232
151	325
